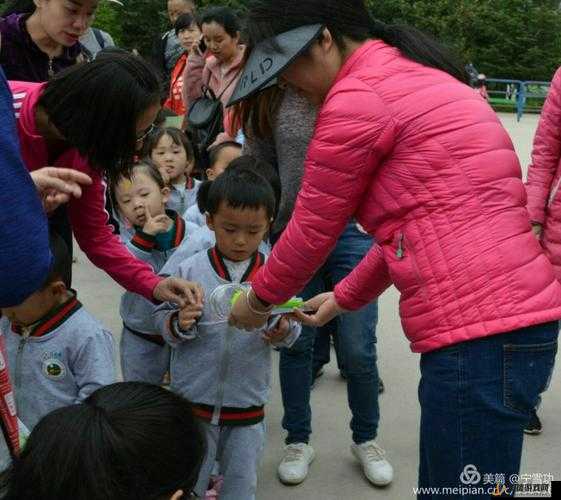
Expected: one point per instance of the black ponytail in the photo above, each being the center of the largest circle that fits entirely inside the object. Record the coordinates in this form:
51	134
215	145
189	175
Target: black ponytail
347	20
419	47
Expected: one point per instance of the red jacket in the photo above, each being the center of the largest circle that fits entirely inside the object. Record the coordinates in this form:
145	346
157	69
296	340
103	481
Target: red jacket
174	101
544	175
87	214
425	166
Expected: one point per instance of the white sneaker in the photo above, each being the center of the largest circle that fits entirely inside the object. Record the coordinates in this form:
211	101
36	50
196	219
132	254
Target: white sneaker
376	468
294	466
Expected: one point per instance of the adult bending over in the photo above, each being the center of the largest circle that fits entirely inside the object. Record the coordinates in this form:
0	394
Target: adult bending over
423	163
92	118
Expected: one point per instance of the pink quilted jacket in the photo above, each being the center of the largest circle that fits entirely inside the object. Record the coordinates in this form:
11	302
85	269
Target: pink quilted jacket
425	166
544	175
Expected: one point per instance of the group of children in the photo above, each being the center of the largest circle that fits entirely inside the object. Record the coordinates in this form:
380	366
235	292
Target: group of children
214	233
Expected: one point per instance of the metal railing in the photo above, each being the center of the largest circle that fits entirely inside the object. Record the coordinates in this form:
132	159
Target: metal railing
516	95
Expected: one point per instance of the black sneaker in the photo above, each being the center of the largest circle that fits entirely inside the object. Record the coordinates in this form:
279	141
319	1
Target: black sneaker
534	426
381	386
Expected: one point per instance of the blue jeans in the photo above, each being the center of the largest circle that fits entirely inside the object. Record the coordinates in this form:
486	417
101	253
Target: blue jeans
476	398
322	346
357	350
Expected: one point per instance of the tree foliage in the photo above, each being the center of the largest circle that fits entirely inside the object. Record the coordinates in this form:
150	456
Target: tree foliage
518	39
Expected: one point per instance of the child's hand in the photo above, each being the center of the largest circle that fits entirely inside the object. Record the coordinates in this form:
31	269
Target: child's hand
189	315
279	332
156	225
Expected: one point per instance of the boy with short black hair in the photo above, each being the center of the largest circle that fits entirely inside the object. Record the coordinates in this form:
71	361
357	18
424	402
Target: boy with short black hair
58	354
226	372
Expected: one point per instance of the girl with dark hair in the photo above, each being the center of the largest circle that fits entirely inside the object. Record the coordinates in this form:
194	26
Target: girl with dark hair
171	151
93	118
219	68
403	145
41	38
188	33
126	441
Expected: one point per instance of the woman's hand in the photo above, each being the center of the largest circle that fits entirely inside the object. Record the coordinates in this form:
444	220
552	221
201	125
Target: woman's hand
279	332
325	307
538	230
57	186
179	292
248	316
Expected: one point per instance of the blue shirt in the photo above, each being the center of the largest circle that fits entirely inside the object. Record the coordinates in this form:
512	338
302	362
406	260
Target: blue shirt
25	258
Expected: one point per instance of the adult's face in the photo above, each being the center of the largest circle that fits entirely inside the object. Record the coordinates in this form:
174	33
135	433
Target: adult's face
189	36
221	45
312	74
65	21
178	7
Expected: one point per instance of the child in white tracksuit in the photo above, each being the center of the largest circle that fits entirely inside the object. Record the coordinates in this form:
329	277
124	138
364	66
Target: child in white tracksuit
141	199
57	353
226	372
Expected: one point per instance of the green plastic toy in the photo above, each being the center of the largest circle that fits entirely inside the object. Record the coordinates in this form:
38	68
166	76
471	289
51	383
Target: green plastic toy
286	308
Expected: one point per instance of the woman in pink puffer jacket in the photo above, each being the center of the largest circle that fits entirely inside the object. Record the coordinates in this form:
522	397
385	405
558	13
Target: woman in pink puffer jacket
423	163
544	177
544	180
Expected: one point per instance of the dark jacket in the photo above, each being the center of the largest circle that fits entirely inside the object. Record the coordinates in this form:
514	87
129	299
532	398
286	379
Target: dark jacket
23	60
165	53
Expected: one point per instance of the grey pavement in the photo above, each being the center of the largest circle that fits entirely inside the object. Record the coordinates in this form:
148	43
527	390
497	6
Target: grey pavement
335	475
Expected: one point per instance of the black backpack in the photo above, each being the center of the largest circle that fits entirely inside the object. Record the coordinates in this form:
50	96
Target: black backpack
205	120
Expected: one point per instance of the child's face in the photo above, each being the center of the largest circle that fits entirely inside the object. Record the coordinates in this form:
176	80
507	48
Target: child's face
178	7
238	231
36	305
189	36
139	197
226	156
171	160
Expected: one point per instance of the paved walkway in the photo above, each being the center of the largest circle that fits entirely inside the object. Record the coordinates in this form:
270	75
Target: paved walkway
335	475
